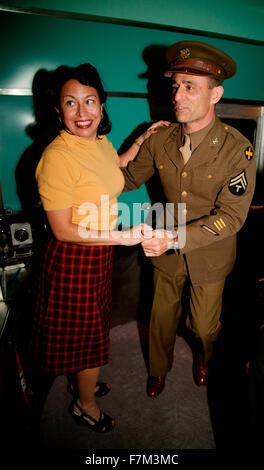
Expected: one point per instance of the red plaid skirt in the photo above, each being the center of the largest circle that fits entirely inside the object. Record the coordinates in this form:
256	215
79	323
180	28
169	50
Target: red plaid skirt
72	310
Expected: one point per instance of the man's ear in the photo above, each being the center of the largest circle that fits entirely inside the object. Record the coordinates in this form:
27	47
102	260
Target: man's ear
217	93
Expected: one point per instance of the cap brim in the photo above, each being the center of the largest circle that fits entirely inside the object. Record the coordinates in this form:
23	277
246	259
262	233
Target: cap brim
169	73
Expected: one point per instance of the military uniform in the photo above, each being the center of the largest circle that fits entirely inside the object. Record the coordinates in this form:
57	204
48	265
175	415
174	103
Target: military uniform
216	187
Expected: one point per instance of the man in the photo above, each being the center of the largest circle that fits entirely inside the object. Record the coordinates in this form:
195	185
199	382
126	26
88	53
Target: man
209	166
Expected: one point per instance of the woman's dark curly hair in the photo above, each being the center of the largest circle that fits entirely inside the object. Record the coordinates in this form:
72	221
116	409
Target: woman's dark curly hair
87	75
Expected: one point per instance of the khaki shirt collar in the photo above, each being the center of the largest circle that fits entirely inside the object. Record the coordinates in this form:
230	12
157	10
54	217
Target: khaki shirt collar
197	137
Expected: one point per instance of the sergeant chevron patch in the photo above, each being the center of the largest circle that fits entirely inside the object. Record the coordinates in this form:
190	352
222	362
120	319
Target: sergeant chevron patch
238	184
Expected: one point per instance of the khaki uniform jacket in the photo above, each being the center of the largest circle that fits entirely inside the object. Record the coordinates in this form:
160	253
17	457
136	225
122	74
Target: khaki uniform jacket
217	185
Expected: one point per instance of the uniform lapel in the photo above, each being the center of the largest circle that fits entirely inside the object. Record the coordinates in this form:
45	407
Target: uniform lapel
171	147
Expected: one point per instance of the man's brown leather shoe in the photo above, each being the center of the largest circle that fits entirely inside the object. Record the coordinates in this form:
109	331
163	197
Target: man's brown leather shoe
155	385
200	369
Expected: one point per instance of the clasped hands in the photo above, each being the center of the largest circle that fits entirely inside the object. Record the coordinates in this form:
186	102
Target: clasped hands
154	242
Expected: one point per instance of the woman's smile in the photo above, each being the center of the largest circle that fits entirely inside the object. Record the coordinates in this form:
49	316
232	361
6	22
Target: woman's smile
83	124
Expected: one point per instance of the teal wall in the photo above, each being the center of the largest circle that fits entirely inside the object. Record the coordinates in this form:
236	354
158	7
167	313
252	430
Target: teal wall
239	18
32	42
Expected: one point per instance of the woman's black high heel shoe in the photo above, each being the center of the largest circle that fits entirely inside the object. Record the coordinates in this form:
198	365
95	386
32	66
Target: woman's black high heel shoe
104	424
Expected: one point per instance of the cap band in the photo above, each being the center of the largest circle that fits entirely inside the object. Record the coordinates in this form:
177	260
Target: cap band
208	68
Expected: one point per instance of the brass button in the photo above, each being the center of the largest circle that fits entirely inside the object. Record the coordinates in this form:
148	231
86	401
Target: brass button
209	177
184	211
184	194
226	128
161	167
184	174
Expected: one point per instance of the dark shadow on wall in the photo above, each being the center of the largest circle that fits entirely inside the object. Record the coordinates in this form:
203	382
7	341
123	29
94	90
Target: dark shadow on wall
158	86
42	132
159	91
160	107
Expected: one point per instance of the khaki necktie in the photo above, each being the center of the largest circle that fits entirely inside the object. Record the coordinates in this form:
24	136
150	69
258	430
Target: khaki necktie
186	149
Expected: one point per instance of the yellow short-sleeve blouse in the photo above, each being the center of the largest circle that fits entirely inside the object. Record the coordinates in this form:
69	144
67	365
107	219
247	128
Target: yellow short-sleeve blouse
84	175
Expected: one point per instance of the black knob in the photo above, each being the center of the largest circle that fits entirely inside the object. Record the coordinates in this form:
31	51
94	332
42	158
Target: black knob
21	235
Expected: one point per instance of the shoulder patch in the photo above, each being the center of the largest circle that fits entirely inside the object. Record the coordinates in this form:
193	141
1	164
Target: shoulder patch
238	184
249	153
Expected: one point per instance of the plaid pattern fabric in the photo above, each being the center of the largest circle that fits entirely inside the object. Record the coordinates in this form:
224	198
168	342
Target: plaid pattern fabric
70	330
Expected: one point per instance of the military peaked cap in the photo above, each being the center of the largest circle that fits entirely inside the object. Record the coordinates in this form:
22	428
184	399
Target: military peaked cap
199	58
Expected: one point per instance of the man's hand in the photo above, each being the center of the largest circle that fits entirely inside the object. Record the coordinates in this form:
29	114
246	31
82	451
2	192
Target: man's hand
158	241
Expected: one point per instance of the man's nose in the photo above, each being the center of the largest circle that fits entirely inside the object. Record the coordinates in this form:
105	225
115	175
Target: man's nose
176	94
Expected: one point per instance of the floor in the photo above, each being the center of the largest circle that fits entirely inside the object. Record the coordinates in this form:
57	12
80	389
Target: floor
178	419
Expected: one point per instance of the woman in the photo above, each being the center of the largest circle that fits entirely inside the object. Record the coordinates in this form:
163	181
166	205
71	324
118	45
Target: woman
72	312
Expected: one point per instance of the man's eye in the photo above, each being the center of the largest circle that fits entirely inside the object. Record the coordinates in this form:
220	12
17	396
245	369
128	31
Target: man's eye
70	103
189	87
90	101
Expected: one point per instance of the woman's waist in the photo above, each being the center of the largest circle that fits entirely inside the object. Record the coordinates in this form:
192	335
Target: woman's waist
96	217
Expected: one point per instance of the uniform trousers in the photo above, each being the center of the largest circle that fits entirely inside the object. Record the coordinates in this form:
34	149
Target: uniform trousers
203	317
